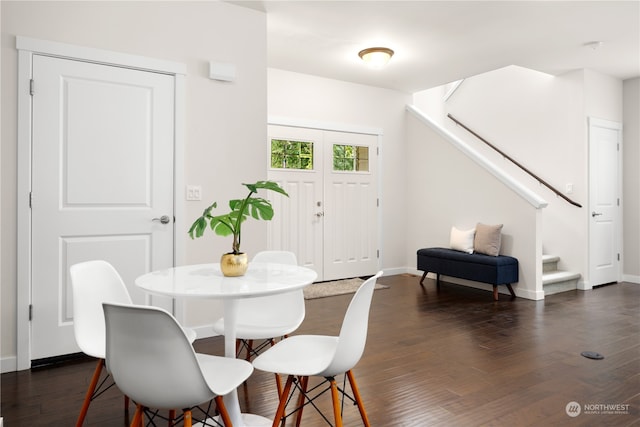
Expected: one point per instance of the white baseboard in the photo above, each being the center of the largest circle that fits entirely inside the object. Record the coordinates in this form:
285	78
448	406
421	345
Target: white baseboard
204	331
631	278
8	364
400	270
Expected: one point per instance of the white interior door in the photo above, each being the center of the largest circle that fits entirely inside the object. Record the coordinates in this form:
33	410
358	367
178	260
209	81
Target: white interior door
103	141
604	201
330	217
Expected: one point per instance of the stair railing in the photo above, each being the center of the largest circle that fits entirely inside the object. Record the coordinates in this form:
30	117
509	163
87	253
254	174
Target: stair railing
515	162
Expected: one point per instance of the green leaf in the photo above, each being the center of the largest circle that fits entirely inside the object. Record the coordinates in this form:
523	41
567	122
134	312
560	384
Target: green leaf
266	185
198	227
260	208
221	225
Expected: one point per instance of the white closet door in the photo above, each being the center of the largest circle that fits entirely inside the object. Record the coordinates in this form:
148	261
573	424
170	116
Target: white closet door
103	141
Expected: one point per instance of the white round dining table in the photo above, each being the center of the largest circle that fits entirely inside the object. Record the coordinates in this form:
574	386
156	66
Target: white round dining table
206	281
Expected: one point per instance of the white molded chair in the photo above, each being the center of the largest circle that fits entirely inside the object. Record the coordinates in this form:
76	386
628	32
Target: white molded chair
269	317
302	356
92	283
152	361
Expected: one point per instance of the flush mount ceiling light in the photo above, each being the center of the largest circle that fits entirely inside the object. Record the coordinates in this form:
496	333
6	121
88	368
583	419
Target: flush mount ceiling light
595	45
376	57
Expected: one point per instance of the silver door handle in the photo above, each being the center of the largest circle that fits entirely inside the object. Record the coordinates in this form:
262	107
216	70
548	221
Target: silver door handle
595	214
320	214
164	219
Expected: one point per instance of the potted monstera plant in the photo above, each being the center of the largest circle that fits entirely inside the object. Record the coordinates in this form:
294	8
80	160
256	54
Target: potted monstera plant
235	263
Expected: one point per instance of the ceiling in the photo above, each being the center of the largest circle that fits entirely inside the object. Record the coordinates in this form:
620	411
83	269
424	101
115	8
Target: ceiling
437	42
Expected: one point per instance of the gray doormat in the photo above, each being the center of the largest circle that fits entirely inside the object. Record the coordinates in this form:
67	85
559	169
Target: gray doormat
336	287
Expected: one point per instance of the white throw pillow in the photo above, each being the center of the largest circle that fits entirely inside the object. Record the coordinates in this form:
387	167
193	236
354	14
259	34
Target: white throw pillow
462	240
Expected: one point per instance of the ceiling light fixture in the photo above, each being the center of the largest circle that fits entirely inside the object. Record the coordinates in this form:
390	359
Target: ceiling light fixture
376	57
595	45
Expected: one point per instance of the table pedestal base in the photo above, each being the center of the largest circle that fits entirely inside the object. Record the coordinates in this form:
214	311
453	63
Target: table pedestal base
248	420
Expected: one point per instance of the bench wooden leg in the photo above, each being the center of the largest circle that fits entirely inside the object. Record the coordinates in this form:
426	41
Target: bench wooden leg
495	291
423	276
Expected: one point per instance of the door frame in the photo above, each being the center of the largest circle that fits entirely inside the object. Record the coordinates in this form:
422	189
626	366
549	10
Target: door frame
606	124
28	47
343	127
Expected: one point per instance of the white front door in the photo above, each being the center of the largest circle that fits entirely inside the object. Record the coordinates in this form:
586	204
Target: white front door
103	142
298	223
604	201
350	205
330	219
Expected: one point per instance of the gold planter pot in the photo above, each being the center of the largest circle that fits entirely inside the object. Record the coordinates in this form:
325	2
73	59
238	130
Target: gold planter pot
234	265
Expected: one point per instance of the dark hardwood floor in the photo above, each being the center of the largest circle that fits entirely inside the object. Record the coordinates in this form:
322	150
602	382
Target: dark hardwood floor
448	357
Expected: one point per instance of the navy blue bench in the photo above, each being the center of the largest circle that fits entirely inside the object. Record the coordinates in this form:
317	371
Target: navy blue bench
495	270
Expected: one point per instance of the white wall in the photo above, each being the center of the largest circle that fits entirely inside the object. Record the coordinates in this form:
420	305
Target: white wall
223	120
306	97
631	180
540	121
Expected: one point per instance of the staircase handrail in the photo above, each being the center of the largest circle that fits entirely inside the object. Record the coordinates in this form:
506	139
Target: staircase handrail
515	162
523	191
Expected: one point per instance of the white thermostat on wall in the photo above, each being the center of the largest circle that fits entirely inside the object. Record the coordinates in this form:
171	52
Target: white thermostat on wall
222	71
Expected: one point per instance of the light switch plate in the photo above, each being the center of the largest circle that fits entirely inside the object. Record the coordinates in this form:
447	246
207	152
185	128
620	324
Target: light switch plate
194	192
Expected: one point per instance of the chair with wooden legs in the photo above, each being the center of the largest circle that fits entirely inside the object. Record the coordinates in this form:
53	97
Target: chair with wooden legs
152	361
302	356
92	283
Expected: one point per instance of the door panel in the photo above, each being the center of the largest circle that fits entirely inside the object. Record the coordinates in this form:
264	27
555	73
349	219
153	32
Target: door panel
604	139
102	170
296	225
350	248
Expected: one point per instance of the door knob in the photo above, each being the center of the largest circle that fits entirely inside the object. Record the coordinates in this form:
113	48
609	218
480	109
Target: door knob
164	219
595	214
320	214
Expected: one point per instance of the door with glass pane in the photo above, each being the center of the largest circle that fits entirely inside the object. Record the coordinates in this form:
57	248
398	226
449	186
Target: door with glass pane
350	242
330	217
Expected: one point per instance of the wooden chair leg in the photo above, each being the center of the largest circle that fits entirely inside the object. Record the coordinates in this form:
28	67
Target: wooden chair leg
495	292
283	401
138	417
335	397
513	294
356	395
304	382
279	385
224	415
187	418
90	390
126	410
172	417
249	350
